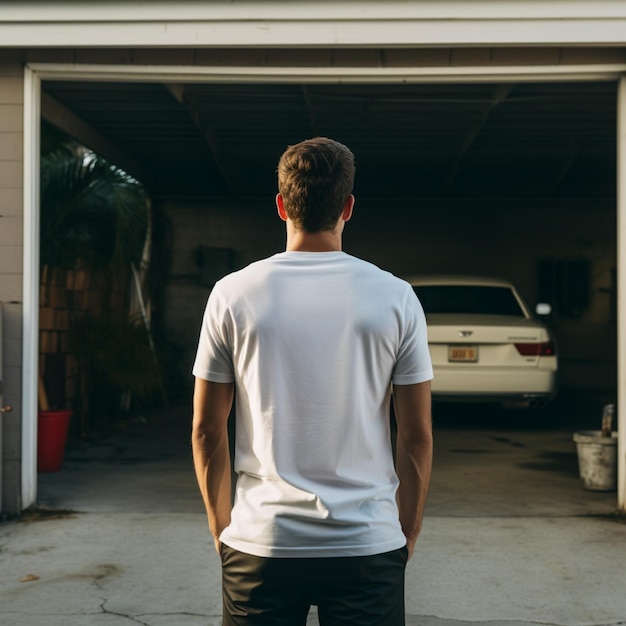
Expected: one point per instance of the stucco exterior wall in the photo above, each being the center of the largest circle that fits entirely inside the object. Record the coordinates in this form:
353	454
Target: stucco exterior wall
11	226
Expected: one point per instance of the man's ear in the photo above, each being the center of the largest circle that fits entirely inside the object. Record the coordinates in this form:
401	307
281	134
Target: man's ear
280	205
348	206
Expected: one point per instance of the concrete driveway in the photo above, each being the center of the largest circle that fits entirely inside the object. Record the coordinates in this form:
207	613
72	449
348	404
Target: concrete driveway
510	536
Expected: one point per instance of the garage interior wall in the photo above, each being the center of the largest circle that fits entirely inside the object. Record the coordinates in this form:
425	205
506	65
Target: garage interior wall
251	230
11	227
425	237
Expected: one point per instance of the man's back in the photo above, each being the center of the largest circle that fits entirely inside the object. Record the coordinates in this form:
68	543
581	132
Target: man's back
309	343
313	341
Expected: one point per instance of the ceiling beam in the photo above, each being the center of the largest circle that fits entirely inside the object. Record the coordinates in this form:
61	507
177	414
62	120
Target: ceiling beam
500	93
66	120
181	94
306	92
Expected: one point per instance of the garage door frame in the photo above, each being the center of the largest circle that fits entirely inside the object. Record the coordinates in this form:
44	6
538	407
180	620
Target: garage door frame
36	72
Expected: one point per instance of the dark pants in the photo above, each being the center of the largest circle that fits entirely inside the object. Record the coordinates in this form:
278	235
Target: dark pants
348	591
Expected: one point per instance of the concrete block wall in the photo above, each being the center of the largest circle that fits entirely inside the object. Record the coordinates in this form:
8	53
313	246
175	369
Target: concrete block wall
11	229
491	238
252	230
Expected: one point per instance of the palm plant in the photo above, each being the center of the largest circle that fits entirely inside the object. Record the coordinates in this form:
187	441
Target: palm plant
90	210
95	218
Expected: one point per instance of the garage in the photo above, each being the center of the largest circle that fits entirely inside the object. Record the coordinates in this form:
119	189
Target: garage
515	180
469	159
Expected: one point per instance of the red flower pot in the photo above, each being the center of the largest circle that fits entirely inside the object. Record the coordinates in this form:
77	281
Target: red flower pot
52	428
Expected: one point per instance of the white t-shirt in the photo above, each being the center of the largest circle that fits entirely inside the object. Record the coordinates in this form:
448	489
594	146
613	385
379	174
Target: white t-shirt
313	341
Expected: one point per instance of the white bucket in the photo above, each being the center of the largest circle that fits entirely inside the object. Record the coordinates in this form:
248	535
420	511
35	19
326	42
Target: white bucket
597	459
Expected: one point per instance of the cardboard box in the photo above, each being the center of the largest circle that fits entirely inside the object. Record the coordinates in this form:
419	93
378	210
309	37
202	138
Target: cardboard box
46	318
48	342
61	319
57	297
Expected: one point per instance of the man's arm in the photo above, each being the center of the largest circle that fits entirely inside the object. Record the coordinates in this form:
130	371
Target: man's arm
414	455
211	455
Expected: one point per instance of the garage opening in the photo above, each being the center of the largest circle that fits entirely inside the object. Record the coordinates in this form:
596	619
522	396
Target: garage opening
514	180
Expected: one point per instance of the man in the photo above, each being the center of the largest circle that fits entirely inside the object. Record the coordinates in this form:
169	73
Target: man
309	342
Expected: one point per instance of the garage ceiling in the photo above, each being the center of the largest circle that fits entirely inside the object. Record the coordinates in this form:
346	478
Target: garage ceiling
465	140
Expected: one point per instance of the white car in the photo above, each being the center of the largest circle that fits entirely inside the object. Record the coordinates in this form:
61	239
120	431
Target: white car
484	343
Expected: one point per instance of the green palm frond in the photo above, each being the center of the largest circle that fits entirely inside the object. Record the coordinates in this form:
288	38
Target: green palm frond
90	210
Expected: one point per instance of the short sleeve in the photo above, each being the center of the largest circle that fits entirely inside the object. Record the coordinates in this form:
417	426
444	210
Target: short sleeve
413	362
214	355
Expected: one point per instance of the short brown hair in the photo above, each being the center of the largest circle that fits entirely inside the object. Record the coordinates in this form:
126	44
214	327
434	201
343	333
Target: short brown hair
315	177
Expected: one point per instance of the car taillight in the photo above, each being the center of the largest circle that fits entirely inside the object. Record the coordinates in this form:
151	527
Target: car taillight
536	349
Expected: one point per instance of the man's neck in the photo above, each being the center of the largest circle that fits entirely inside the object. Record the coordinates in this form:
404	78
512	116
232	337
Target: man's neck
321	241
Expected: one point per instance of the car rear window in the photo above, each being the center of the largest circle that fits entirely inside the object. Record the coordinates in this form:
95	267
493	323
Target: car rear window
473	299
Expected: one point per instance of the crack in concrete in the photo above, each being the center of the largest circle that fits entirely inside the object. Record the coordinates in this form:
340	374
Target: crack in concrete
411	620
185	613
124	615
431	620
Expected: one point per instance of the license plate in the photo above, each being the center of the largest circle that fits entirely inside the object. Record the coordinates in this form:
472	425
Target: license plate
463	354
